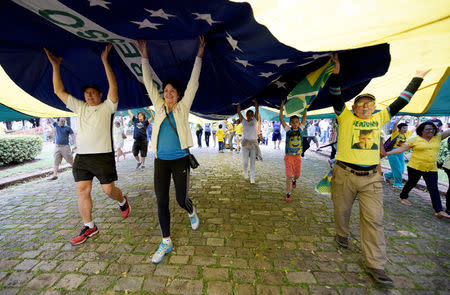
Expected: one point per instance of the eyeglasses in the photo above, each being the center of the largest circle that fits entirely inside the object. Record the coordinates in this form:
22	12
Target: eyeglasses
368	104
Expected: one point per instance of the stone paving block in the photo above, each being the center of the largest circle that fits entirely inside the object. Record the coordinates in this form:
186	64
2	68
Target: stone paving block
225	251
71	281
118	269
188	287
9	291
179	259
258	263
69	266
291	290
154	284
352	291
8	264
322	290
244	275
272	278
129	283
142	269
27	264
219	288
267	290
98	282
244	289
93	267
166	270
301	277
233	262
43	281
329	278
188	271
31	254
221	274
185	250
17	279
203	260
218	242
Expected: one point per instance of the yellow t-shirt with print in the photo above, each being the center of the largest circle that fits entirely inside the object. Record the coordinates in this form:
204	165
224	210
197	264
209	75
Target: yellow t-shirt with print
401	138
230	127
359	139
220	134
424	155
238	129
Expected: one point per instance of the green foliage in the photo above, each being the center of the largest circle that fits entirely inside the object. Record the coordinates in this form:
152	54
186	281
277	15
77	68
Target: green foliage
444	152
19	148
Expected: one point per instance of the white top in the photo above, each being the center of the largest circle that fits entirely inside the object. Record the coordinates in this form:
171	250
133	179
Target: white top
117	133
249	129
94	125
312	130
181	108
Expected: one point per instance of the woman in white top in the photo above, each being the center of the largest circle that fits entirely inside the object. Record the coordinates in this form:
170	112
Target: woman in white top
171	139
118	137
250	146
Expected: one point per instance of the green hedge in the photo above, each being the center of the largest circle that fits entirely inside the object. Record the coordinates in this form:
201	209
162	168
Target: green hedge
19	148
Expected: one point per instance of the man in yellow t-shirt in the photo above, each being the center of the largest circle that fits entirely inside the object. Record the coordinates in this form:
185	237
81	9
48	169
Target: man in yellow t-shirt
355	172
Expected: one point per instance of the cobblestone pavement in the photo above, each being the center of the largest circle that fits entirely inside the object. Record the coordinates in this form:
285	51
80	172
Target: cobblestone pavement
250	241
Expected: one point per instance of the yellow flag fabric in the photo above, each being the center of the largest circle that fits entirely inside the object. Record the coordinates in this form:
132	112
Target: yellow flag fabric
14	97
418	32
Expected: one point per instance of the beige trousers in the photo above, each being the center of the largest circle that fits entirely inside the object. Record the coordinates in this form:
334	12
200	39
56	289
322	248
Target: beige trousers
345	186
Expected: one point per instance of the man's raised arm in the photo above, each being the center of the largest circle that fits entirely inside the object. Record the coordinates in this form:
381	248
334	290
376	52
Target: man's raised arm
58	86
113	94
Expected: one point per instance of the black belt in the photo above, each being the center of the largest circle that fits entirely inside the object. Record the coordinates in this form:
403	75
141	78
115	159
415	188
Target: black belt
356	172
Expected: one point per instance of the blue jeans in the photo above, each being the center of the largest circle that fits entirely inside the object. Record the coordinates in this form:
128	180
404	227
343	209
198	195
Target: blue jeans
397	163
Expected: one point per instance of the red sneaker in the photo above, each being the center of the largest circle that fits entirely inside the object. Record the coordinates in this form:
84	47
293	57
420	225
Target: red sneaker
294	183
126	209
288	198
85	233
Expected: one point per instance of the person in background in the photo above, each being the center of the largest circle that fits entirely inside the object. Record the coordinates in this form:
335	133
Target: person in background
437	122
355	173
238	135
230	133
140	137
172	139
150	126
293	150
47	128
119	137
214	130
62	146
276	134
221	138
199	133
446	167
425	147
207	133
250	147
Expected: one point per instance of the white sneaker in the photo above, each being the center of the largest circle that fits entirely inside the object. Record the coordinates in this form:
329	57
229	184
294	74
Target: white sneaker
245	173
195	221
163	249
252	180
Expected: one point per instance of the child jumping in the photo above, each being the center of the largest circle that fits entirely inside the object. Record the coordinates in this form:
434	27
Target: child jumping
293	149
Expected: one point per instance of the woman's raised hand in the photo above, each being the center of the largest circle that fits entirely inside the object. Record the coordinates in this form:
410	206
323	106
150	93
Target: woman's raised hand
201	47
142	47
105	52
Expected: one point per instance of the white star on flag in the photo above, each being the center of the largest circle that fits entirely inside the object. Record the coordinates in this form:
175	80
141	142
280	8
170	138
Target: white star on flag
233	42
279	62
245	63
266	75
206	17
160	13
146	24
101	3
316	56
280	84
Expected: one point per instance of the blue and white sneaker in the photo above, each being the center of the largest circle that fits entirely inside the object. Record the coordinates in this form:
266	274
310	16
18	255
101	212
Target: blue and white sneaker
195	221
163	249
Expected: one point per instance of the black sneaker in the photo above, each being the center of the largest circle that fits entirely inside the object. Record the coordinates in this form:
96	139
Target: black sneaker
288	197
138	165
294	183
341	241
380	276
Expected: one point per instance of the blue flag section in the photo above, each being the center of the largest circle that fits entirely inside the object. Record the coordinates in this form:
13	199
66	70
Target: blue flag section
242	59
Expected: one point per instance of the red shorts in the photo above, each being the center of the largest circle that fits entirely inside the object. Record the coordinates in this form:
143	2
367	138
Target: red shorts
293	165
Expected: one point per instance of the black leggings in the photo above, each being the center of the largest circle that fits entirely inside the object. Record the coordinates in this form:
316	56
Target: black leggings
447	196
431	179
179	170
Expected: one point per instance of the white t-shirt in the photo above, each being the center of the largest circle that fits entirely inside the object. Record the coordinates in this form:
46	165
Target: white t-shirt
94	125
312	130
249	129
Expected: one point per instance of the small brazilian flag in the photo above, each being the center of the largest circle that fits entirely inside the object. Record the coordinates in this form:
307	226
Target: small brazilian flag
304	93
324	185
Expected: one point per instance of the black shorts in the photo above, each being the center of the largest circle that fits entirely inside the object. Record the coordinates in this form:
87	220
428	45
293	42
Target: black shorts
102	166
276	136
140	145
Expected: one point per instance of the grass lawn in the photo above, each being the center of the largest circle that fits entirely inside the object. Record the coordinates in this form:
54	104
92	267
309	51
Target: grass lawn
42	161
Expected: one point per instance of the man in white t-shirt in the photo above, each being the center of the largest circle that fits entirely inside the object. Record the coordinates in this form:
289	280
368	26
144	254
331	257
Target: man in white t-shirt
95	155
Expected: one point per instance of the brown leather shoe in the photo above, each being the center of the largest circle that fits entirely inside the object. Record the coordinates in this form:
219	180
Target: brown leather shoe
380	276
341	241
